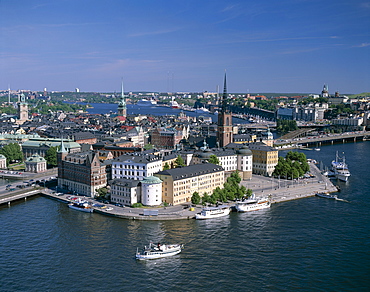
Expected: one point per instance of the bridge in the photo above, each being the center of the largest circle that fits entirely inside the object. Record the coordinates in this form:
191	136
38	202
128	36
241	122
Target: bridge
8	197
297	134
317	141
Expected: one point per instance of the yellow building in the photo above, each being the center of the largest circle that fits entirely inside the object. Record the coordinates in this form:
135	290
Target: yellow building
265	158
179	184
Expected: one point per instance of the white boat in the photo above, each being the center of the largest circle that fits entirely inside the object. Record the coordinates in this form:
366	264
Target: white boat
213	212
156	251
340	168
146	102
202	110
326	195
253	204
174	104
81	205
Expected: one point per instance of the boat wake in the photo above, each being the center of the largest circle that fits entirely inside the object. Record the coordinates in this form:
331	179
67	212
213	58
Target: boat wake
341	200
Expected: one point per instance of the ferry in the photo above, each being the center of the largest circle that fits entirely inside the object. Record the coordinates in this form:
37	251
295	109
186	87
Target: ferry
327	196
253	204
202	110
213	212
340	168
156	251
81	205
174	104
146	102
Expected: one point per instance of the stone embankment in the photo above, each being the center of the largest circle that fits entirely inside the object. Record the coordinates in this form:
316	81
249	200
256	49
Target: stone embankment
277	190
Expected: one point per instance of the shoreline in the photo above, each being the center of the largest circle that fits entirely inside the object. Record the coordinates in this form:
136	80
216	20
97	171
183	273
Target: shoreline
280	191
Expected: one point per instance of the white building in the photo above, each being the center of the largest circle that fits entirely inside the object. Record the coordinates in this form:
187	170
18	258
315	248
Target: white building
2	162
137	166
245	161
125	191
151	191
356	122
229	159
35	164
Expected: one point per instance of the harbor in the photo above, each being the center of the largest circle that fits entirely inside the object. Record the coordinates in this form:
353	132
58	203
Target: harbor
278	190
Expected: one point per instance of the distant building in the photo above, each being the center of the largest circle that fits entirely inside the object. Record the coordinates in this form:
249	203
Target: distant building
22	110
41	145
325	91
164	138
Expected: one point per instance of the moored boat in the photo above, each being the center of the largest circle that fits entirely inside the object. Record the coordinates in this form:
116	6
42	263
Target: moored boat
81	205
146	102
156	251
340	168
252	204
213	212
326	195
202	110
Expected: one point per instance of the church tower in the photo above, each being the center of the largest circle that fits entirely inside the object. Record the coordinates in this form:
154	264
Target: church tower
122	109
325	91
22	110
225	121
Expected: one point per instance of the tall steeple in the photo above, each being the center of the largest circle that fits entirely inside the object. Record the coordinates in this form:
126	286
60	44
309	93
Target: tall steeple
224	96
122	109
225	121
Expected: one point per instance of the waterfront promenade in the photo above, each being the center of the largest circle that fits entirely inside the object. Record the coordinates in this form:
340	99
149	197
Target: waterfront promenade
277	190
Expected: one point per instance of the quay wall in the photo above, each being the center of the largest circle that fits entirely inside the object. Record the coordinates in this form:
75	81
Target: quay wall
278	190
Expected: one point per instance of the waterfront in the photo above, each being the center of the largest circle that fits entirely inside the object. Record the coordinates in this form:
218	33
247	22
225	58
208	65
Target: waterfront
133	109
310	244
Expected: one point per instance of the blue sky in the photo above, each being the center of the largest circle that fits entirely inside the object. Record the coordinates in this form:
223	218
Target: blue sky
170	45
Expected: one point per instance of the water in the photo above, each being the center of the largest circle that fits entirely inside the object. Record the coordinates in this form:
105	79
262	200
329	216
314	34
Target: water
133	109
311	244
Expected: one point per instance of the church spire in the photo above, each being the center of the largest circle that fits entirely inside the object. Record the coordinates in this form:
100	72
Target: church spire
62	147
224	96
122	91
122	104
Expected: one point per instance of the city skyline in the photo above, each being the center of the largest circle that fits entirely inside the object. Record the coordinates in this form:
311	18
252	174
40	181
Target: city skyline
185	46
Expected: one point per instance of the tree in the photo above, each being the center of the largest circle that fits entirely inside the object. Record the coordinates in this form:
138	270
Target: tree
12	152
166	166
51	156
249	193
205	199
214	159
102	192
179	162
148	146
195	198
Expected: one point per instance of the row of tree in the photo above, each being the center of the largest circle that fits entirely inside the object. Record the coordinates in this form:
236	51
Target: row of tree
231	191
294	165
285	126
13	153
